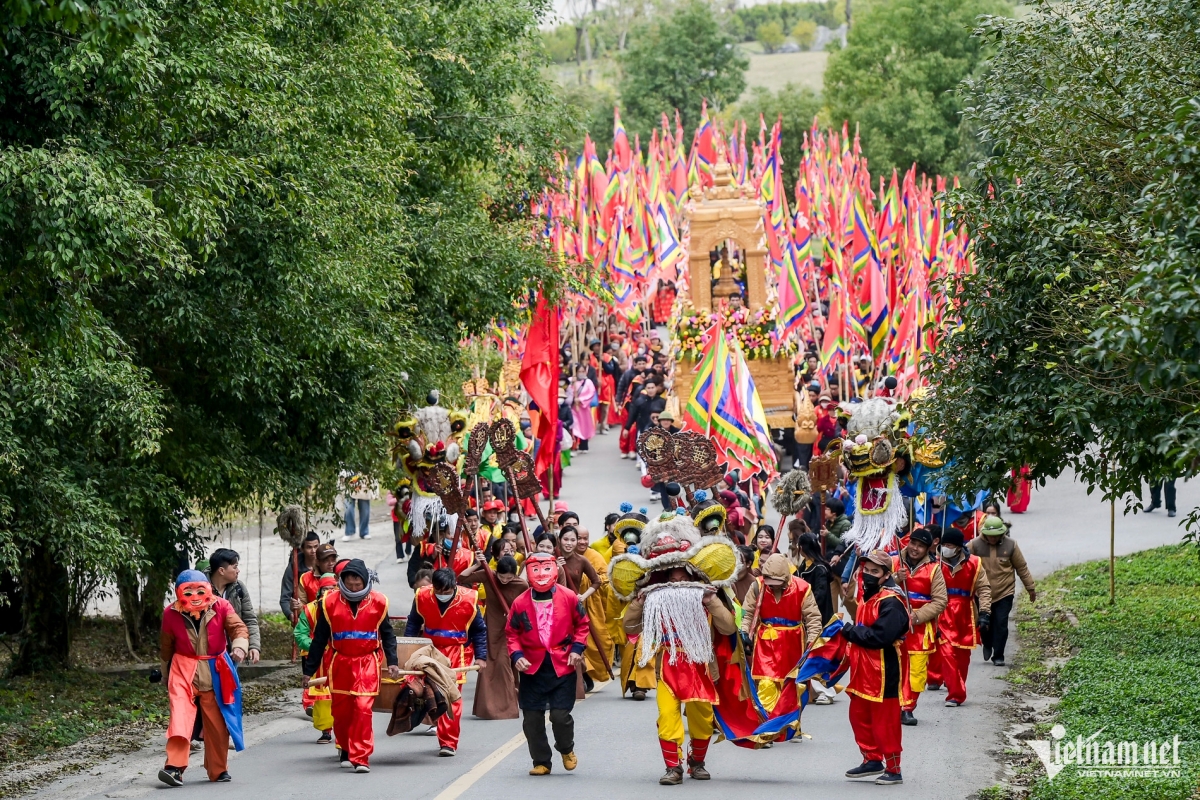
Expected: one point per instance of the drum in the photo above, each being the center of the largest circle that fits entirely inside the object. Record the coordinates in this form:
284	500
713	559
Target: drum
389	688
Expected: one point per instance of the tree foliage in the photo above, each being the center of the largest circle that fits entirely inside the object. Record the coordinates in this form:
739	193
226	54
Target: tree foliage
1080	339
770	35
234	245
745	21
677	62
896	79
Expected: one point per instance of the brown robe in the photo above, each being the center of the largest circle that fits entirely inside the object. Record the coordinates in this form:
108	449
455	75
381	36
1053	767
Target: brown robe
496	688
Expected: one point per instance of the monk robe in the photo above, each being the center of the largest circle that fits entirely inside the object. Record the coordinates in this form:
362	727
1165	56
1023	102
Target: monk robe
496	689
597	610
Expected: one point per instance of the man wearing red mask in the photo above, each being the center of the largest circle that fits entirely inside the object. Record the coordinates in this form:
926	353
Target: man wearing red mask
547	632
200	675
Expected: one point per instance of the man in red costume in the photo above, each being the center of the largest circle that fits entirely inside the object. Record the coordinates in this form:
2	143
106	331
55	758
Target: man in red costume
781	618
354	622
958	628
449	615
200	676
878	662
921	577
547	632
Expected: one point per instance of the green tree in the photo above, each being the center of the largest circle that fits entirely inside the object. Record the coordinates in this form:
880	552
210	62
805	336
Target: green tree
678	62
797	105
1078	345
896	79
804	33
770	36
235	244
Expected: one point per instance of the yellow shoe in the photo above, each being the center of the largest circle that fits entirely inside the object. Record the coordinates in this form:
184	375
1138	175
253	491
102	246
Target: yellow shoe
570	762
539	769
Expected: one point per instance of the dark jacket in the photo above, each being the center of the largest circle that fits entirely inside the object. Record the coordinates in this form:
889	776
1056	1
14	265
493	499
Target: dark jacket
889	628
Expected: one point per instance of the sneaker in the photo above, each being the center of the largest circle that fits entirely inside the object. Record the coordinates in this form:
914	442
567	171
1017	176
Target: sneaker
344	759
1153	506
224	777
428	730
348	538
540	769
907	718
999	661
196	745
365	536
308	712
952	704
361	768
867	769
400	560
171	776
570	761
889	779
1170	512
823	700
446	752
987	652
672	777
933	687
326	737
654	497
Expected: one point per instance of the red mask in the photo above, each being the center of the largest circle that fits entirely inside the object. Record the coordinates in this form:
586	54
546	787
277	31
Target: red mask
194	597
542	571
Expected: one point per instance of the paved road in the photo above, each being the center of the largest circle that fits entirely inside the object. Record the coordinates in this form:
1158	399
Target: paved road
946	756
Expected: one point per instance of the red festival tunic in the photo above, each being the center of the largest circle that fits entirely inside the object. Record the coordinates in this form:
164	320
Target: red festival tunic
958	623
866	665
923	638
448	630
779	639
357	655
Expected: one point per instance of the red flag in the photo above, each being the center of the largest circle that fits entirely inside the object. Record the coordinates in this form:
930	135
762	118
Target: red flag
539	373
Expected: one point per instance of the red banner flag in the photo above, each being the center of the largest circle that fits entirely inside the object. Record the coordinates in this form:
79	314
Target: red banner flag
539	373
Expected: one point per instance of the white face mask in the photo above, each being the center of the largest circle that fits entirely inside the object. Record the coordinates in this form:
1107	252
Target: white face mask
949	552
444	598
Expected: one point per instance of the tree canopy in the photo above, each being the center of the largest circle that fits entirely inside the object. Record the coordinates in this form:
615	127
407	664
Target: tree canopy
1080	339
797	106
896	79
678	62
238	236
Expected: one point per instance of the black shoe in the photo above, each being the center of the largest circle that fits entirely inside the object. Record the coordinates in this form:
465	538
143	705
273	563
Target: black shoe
987	652
889	779
344	759
998	661
639	694
171	776
933	687
588	683
907	718
326	737
1154	506
867	769
308	712
224	777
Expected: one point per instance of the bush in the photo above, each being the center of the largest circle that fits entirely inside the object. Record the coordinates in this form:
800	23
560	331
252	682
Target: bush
804	33
770	36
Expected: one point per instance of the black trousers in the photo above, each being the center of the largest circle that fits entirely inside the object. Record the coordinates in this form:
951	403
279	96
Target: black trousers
999	631
534	725
1157	491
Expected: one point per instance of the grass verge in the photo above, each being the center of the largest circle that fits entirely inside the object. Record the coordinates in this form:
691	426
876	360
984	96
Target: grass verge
1128	672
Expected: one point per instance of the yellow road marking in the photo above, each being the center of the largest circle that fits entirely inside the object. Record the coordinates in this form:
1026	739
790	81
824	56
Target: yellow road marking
468	779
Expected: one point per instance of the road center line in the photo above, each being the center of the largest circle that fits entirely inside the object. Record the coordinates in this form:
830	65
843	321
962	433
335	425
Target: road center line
468	779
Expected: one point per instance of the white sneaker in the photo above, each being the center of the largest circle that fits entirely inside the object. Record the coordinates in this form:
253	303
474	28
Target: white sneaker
348	538
400	560
823	700
428	730
361	768
365	536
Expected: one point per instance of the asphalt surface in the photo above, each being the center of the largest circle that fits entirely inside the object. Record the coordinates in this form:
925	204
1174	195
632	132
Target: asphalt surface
948	755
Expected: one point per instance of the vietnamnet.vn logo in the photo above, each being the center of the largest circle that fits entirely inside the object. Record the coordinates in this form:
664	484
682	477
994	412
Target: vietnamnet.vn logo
1094	757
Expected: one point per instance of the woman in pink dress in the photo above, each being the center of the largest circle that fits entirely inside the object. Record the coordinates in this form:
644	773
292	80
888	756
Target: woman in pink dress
581	395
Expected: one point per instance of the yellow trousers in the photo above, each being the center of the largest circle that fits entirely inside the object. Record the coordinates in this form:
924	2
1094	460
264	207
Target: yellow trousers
670	717
918	671
322	717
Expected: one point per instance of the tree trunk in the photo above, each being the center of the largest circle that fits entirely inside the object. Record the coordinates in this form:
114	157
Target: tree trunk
153	595
129	595
578	54
587	51
45	630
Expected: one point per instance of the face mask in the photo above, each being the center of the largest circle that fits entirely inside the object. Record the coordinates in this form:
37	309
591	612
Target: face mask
194	597
948	552
542	573
444	598
870	583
